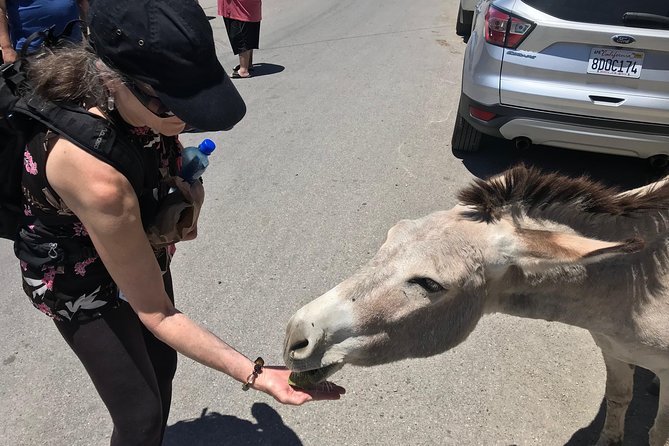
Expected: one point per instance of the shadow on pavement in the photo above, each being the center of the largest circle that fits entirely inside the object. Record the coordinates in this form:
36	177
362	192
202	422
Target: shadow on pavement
265	69
617	171
638	421
214	429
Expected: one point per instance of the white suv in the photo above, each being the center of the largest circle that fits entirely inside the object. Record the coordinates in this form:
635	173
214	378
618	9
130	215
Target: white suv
578	74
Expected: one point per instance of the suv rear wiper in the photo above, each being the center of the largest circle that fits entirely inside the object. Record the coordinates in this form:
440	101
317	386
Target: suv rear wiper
645	18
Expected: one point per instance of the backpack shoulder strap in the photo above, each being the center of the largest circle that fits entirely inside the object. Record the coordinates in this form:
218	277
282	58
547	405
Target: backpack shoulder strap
90	132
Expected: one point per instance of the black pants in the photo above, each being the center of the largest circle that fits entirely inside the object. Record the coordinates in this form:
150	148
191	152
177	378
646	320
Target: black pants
131	370
243	36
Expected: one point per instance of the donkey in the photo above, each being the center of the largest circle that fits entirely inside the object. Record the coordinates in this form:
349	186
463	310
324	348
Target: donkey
525	243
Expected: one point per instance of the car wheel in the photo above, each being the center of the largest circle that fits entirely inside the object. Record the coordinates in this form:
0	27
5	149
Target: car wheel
463	24
465	137
659	163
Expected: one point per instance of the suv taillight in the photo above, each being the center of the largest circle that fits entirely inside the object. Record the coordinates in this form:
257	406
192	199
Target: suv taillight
504	30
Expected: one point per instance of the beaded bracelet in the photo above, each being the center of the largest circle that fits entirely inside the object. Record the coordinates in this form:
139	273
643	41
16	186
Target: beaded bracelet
257	369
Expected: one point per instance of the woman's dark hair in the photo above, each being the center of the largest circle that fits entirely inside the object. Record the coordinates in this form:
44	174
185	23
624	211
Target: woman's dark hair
73	73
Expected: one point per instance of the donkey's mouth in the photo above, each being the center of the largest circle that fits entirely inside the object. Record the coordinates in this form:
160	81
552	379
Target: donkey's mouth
309	378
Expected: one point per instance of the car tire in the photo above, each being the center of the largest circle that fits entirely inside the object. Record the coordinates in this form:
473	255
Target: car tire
465	137
463	23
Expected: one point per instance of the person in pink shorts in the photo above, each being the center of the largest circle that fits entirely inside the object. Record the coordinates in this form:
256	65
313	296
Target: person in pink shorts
242	22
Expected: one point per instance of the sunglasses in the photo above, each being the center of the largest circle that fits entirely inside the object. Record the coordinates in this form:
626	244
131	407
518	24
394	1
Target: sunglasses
147	97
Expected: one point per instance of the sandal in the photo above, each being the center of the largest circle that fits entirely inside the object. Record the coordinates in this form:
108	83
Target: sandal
236	75
234	70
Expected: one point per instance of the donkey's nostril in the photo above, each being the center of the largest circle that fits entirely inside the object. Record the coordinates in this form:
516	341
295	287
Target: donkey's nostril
301	341
299	345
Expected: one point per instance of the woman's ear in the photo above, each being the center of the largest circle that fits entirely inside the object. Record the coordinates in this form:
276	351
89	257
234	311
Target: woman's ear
113	85
110	80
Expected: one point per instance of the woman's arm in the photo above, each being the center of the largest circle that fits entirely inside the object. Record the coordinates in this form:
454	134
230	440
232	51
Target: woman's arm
108	208
83	9
8	53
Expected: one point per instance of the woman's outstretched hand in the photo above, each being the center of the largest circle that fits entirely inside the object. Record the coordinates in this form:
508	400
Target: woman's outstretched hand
274	381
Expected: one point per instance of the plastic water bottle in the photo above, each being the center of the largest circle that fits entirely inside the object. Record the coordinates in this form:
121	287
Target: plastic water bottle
194	160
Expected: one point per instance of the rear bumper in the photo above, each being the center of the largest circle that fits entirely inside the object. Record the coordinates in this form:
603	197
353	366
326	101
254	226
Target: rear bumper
611	136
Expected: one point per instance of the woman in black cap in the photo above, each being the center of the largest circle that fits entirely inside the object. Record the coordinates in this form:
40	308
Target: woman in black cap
92	267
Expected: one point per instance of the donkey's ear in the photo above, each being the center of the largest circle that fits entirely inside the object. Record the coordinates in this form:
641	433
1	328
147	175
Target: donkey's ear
542	250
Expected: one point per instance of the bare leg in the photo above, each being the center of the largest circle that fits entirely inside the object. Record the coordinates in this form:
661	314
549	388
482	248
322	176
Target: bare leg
659	433
619	383
251	59
244	60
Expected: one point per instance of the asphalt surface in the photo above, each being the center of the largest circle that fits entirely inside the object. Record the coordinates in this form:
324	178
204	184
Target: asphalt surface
350	115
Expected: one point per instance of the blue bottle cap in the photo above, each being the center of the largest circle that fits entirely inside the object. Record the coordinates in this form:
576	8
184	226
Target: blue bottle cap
207	146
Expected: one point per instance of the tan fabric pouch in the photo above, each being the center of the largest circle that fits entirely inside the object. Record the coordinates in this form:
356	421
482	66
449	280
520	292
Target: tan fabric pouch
178	212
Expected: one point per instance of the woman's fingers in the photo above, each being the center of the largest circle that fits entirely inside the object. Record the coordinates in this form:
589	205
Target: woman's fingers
326	391
322	391
274	380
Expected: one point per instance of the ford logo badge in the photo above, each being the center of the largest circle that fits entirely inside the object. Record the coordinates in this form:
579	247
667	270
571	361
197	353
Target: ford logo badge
623	40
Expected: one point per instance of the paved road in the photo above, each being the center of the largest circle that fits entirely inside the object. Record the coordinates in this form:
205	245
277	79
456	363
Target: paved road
348	131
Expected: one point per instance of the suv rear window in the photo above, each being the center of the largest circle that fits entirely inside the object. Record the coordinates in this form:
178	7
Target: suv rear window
604	13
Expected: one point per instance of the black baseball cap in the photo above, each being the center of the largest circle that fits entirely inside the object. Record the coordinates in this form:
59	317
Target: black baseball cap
169	45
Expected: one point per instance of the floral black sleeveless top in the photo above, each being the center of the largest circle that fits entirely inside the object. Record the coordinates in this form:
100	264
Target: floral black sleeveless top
62	273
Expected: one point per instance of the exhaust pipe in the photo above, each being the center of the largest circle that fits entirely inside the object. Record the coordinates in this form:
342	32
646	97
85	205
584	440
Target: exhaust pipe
659	162
522	142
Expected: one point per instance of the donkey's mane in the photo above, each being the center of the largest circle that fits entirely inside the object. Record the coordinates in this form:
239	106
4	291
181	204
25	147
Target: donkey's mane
533	189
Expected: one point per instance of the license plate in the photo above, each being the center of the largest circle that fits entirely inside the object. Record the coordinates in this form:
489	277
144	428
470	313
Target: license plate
613	62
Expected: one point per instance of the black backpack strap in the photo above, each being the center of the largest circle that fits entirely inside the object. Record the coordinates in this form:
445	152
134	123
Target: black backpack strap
45	35
12	80
90	132
67	31
49	37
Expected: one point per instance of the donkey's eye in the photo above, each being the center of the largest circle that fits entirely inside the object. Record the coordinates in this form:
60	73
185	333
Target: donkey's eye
427	284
